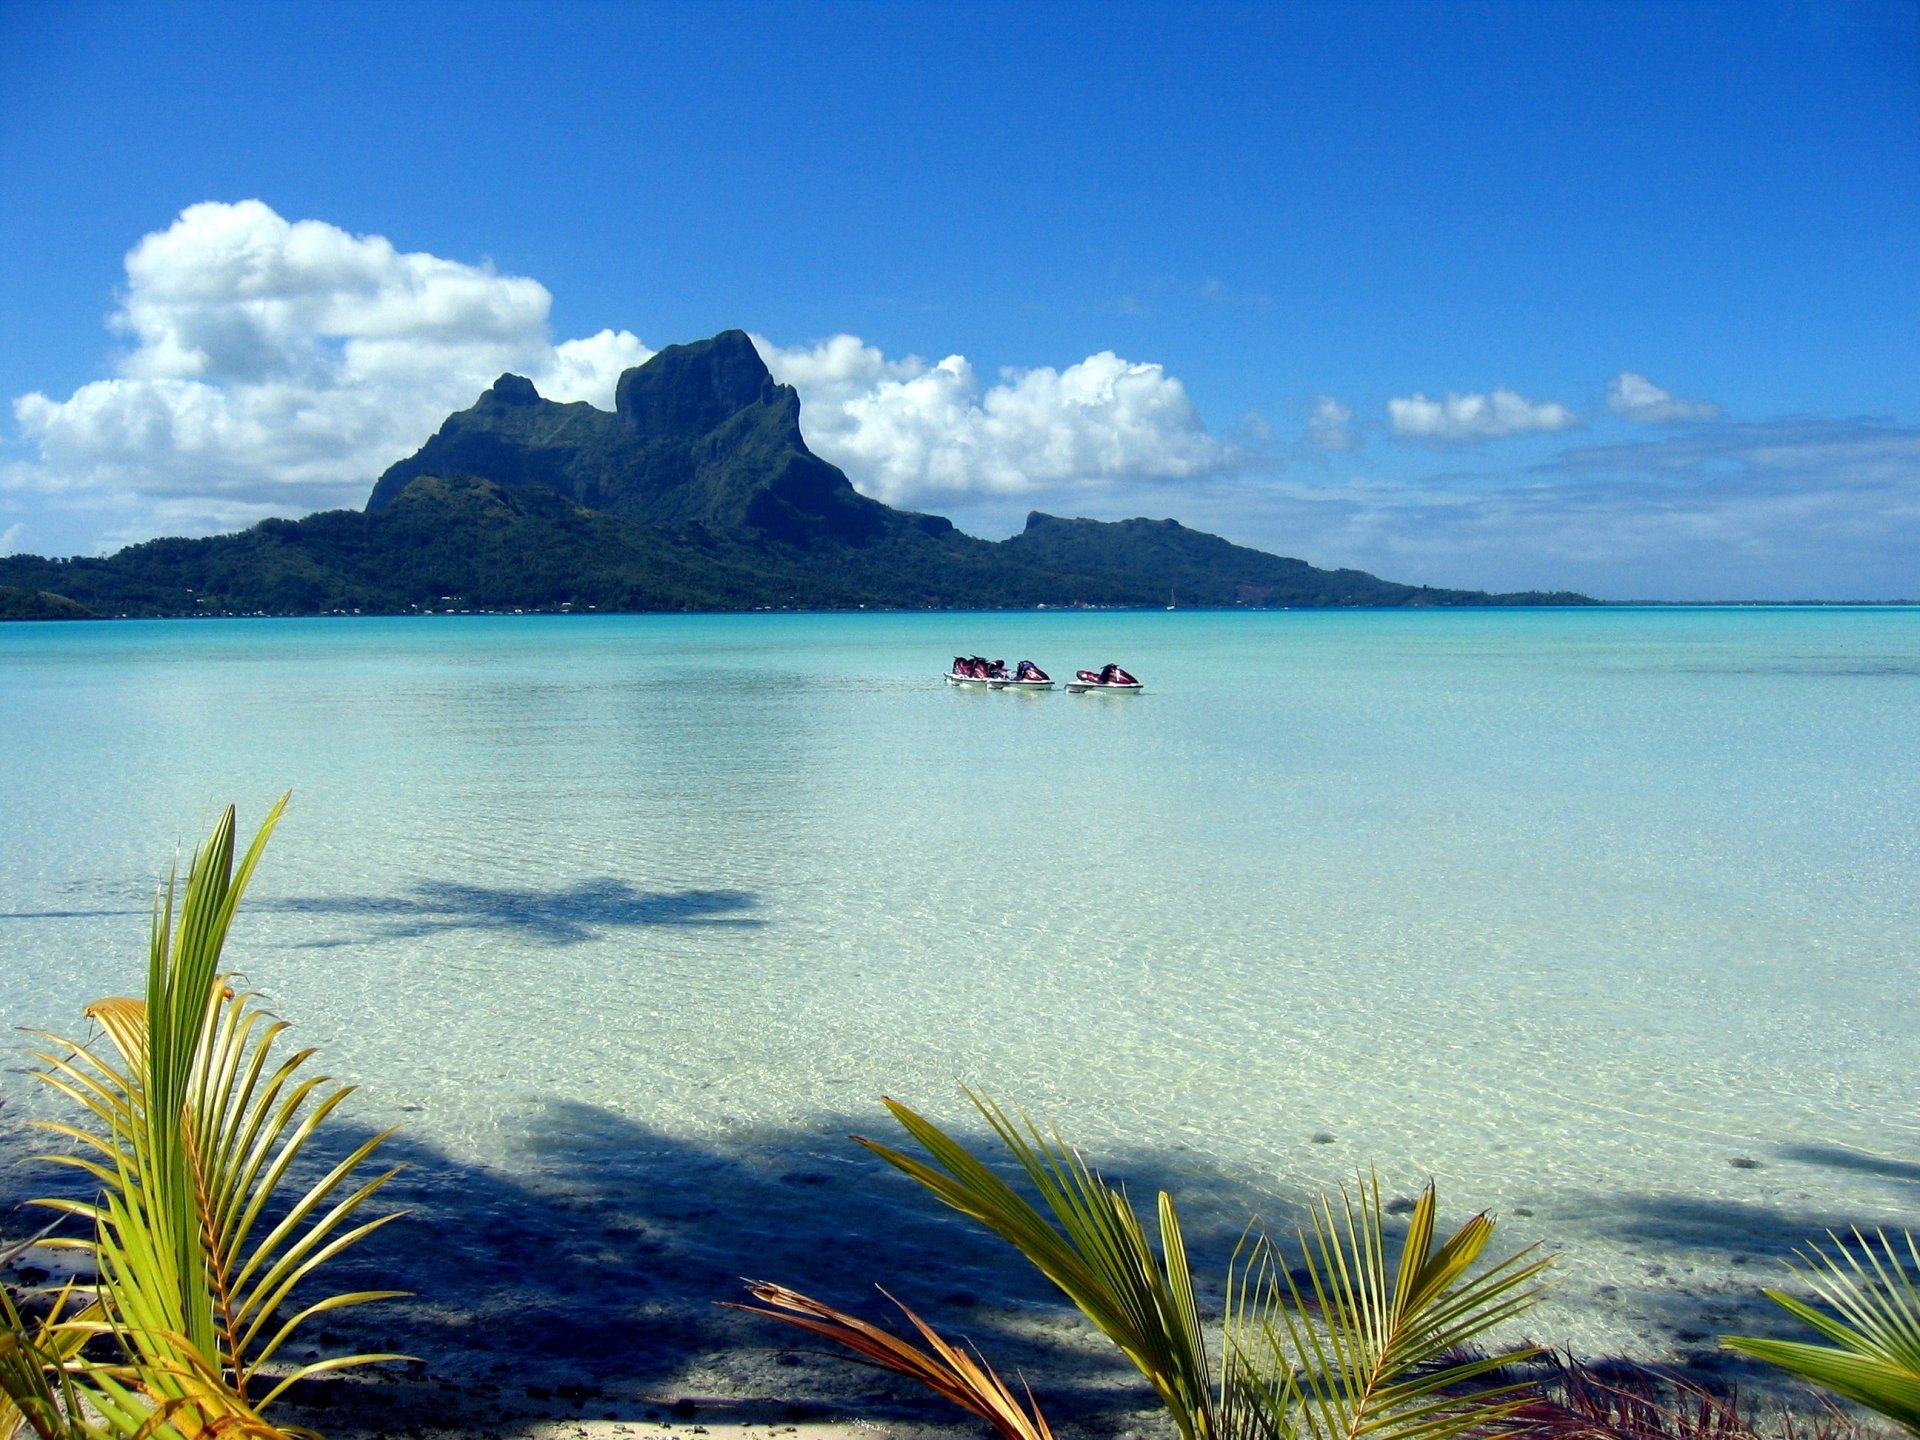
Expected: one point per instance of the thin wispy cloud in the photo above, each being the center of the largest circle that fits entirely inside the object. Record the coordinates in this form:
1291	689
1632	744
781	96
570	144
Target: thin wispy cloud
1632	396
1217	292
1256	428
1800	508
1865	456
1329	425
1166	294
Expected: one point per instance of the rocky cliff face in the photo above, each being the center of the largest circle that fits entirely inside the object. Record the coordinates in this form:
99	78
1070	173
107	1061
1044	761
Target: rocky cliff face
700	435
695	389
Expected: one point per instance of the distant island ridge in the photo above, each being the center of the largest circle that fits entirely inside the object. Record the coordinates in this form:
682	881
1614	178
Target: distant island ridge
696	493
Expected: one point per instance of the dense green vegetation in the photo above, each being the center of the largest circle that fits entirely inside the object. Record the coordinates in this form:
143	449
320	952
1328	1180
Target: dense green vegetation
1202	569
696	493
473	544
18	604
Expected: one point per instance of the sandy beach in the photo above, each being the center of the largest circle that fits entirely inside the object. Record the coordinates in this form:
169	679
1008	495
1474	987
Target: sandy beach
502	1369
757	1387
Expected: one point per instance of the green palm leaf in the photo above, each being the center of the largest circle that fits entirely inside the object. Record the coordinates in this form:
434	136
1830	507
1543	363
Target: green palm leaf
1874	1330
1358	1350
1093	1247
1361	1348
37	1392
194	1130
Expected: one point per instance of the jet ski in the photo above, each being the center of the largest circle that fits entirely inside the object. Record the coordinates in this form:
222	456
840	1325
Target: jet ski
1107	680
976	671
1028	676
993	674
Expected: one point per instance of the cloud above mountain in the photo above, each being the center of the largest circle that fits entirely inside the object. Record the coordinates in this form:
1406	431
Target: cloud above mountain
274	367
913	433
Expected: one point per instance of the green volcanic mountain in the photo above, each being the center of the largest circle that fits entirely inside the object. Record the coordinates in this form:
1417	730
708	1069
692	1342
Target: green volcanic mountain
697	492
700	436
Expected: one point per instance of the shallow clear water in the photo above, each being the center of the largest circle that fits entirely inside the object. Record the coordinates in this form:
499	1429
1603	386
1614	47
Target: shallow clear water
1572	910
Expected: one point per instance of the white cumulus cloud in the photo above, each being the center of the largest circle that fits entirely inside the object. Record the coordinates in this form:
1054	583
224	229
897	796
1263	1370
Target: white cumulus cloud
912	433
236	293
1634	397
589	369
1466	418
276	367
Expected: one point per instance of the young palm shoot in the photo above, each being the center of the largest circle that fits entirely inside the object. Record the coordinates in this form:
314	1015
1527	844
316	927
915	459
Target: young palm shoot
1093	1247
37	1394
193	1129
1874	1327
1364	1352
1354	1346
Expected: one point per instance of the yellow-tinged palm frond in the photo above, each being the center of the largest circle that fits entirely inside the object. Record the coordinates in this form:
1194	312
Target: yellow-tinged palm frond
1874	1330
194	1128
188	1398
38	1395
967	1380
1094	1248
1357	1348
48	1392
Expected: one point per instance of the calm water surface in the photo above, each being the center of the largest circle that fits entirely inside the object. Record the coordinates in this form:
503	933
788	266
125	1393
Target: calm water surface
1605	919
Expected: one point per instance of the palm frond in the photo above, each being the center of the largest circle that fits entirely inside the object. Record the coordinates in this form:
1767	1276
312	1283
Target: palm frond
966	1380
195	1130
1093	1248
1874	1329
1357	1349
37	1393
1353	1347
188	1398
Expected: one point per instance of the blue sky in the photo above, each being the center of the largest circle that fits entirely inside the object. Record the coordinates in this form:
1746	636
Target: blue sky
1616	297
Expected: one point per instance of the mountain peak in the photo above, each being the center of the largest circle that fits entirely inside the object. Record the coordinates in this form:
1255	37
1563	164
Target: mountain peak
700	434
512	390
694	389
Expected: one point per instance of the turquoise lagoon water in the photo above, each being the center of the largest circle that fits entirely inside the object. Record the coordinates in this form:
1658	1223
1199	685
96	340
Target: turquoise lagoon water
1604	919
